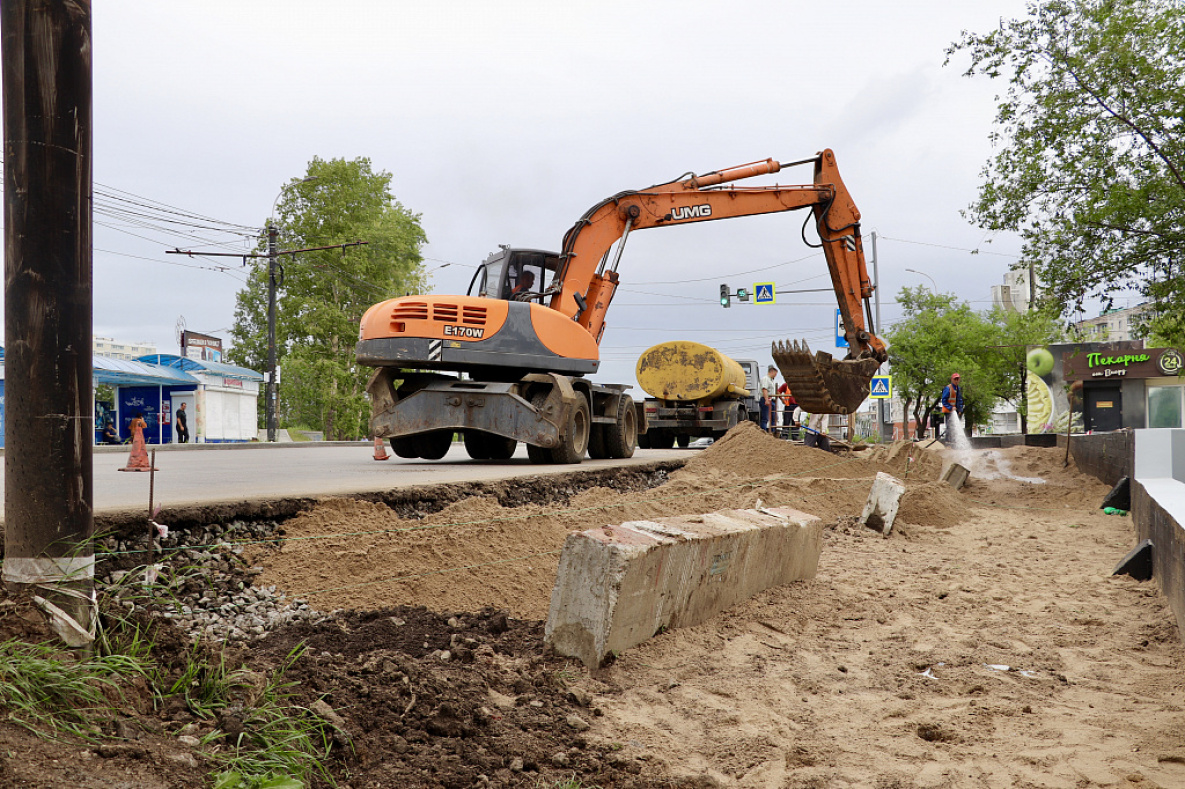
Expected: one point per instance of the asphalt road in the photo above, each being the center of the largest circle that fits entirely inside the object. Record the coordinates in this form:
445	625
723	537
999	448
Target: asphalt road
213	473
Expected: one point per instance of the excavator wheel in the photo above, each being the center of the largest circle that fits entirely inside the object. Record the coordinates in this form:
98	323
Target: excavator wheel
820	384
405	447
501	447
477	444
434	445
574	439
622	436
538	454
596	442
684	441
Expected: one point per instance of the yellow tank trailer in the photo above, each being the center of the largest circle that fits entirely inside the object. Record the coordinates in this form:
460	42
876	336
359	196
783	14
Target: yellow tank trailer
695	391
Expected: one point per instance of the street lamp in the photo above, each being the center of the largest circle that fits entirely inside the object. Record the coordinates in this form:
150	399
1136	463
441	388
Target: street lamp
272	233
927	276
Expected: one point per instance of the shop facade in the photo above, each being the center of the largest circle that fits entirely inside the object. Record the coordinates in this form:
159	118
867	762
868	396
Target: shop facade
1122	385
223	407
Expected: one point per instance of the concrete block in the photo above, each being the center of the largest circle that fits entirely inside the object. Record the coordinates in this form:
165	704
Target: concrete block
883	501
955	475
618	586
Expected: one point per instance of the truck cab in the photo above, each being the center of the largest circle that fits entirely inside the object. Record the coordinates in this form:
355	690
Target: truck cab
753	383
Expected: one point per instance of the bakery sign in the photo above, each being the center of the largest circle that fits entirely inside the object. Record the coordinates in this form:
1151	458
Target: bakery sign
1116	365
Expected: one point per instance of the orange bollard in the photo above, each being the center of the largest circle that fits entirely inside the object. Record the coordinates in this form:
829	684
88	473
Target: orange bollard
138	460
380	452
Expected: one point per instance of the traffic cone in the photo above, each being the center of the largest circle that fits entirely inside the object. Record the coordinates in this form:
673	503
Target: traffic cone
380	452
138	459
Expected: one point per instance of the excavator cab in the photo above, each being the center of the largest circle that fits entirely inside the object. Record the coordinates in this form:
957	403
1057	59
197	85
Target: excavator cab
515	275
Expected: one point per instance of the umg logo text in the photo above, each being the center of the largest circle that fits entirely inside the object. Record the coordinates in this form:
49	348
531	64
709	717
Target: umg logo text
691	212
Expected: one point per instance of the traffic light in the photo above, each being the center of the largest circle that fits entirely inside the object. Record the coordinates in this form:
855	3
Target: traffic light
742	294
725	297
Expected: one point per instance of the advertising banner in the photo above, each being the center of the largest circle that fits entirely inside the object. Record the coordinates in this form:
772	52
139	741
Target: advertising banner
201	347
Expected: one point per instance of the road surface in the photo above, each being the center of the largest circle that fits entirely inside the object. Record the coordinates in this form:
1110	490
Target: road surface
227	473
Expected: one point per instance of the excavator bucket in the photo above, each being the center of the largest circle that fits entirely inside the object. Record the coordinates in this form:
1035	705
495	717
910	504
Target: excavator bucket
819	383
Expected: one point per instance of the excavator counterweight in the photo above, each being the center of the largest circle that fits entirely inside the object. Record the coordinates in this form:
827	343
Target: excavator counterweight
822	384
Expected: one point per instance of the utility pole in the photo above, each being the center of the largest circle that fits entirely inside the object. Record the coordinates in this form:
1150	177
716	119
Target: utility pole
886	434
48	180
272	255
270	403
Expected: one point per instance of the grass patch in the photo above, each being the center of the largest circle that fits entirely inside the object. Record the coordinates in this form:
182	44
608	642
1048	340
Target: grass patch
276	745
53	695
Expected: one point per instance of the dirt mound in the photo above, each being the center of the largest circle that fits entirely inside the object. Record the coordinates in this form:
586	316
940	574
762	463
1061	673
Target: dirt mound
932	504
747	450
906	460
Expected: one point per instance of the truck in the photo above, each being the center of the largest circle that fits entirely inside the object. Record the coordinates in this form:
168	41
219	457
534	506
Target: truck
695	392
510	362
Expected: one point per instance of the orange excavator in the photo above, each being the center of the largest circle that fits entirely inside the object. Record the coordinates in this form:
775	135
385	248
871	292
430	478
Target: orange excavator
507	362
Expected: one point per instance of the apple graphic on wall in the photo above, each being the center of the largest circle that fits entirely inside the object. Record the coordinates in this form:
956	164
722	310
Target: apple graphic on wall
1040	361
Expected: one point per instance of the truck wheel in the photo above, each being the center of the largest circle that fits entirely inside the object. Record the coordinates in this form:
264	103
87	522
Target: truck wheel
622	436
435	445
643	441
683	441
500	447
477	444
406	446
661	439
596	442
574	440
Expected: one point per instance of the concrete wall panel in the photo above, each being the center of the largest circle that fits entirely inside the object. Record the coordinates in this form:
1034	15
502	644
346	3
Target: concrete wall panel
618	586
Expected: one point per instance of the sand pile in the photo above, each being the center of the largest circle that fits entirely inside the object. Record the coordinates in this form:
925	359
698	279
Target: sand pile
747	450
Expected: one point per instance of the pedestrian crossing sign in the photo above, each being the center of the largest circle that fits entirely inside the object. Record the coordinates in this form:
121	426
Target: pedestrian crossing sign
764	293
882	387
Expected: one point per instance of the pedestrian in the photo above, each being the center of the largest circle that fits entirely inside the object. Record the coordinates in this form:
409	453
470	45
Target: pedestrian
769	389
137	427
182	424
786	406
814	430
952	407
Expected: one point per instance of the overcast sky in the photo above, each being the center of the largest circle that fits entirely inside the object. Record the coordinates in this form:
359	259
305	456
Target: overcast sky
501	122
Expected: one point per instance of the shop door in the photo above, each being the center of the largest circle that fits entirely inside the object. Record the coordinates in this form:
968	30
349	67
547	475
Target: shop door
1103	408
190	416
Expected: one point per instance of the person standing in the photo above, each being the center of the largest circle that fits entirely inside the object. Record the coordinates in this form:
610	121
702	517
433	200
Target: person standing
769	389
952	405
182	425
786	406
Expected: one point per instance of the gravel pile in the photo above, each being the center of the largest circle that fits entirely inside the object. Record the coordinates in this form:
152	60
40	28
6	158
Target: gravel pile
200	581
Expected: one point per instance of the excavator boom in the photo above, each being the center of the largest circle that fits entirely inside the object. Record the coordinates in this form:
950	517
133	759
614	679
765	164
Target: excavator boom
821	384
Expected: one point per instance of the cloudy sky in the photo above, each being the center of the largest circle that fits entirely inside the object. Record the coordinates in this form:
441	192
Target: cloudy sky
501	122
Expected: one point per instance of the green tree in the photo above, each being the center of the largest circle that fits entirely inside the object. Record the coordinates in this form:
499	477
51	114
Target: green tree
1090	167
1015	333
935	338
324	293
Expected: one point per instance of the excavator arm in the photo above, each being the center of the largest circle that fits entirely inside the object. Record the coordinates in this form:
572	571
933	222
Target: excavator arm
588	278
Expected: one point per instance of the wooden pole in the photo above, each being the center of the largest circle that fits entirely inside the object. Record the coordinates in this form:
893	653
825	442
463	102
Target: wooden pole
48	491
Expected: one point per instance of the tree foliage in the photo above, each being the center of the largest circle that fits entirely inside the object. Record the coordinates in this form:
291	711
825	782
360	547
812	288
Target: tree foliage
937	337
1090	167
324	293
1015	333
